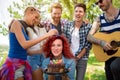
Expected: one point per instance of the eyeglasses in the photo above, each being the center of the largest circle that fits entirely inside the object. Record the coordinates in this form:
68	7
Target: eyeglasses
100	1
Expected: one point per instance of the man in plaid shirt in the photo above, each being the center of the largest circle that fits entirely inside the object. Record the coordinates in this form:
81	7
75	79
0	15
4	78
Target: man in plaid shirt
76	32
56	22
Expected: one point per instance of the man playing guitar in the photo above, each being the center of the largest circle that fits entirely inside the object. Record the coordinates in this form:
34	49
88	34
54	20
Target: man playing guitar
107	22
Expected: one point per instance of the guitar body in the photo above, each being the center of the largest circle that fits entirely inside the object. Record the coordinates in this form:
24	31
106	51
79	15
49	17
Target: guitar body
100	54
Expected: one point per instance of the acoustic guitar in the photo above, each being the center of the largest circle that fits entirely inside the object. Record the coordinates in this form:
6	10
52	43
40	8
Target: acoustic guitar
113	39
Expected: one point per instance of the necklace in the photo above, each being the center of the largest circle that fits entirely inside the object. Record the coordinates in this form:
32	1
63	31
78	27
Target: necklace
57	61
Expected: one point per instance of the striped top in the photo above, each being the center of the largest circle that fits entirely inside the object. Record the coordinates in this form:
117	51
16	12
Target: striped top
109	26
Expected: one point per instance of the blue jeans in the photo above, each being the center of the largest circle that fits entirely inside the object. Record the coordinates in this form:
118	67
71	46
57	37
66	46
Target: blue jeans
81	69
35	61
19	72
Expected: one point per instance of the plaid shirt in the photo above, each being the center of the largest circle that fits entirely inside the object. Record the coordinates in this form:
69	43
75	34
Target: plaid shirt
7	71
83	32
48	25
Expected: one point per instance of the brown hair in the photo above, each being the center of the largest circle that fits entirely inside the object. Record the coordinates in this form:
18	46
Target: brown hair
56	5
81	5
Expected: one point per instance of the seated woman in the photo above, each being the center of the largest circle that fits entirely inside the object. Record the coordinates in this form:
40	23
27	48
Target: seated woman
57	51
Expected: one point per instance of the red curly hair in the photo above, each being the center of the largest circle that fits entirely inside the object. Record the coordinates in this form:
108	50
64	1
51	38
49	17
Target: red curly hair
66	47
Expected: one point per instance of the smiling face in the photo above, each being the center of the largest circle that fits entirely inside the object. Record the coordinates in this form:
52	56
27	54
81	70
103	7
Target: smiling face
35	18
31	16
79	13
56	14
57	47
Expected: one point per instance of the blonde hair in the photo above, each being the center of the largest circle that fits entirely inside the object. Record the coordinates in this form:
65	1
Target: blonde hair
56	5
31	10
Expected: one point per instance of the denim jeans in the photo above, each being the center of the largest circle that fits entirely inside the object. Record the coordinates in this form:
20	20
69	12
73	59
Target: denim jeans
81	69
35	61
19	72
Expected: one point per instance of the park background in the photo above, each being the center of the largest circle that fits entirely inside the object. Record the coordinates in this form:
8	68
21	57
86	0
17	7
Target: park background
10	9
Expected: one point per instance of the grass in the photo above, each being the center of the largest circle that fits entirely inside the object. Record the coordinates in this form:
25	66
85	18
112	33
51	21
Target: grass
95	69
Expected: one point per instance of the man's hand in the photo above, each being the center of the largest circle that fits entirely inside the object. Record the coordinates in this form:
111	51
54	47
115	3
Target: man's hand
105	45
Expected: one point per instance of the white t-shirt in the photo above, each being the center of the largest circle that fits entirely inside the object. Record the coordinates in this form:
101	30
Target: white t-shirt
75	41
32	35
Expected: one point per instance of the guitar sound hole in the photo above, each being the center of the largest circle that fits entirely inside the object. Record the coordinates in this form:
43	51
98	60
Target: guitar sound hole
114	44
111	52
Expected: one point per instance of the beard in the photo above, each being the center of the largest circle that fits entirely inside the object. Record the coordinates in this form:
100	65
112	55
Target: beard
106	7
56	19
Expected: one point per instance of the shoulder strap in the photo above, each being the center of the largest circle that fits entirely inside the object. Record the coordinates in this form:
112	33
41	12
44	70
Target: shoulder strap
24	25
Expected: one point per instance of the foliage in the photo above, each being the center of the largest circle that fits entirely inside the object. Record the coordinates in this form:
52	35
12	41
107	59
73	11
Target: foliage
68	7
91	13
16	10
3	30
2	58
3	54
116	3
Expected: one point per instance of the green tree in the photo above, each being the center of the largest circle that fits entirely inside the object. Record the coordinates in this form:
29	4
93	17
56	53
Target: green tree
68	7
92	9
16	10
3	30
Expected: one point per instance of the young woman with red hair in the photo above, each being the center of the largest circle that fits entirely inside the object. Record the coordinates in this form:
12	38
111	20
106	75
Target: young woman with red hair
57	51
